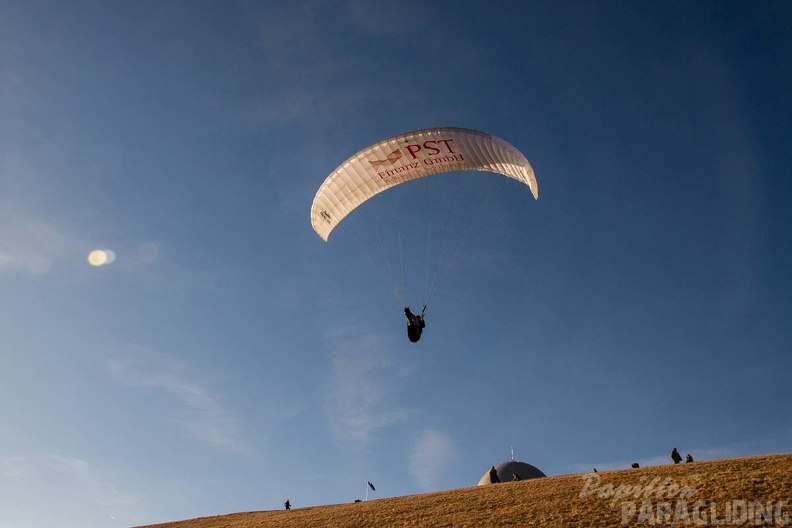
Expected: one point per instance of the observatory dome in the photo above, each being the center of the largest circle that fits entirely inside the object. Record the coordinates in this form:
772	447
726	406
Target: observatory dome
512	467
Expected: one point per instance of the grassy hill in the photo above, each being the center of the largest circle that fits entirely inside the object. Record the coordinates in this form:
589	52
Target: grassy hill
735	492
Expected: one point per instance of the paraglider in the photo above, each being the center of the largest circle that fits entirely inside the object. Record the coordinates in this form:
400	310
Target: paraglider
415	324
396	160
409	156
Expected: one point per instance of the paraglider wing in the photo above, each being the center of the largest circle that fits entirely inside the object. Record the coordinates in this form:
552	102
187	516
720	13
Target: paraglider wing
407	157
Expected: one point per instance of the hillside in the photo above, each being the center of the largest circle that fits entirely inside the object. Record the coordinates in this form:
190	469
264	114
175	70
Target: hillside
743	491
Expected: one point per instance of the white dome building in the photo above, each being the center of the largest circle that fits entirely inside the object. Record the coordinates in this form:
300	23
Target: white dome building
507	470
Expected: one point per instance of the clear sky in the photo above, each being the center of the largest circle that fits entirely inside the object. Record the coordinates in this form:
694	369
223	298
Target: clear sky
227	358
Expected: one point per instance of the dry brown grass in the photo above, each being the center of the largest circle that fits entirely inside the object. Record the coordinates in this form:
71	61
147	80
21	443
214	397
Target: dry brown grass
551	501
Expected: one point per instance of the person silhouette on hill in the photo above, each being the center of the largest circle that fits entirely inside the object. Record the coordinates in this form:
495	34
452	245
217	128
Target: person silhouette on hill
493	474
287	504
688	458
675	456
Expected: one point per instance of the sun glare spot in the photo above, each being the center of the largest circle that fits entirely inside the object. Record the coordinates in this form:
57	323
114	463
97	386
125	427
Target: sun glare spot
101	257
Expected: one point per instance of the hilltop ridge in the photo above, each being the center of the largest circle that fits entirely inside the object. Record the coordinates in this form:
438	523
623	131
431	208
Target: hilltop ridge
747	491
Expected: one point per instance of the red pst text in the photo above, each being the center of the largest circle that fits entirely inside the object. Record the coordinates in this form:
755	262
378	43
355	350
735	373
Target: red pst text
430	147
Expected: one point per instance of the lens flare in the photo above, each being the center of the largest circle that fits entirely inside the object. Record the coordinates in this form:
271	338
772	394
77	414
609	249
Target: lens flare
101	257
148	251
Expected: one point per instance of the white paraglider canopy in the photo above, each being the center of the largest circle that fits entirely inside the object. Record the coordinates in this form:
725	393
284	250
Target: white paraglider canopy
409	156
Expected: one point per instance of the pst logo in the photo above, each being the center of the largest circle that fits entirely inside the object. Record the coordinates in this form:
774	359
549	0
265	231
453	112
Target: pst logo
390	160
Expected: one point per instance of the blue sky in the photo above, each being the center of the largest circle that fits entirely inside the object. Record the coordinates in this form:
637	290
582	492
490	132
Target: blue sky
229	359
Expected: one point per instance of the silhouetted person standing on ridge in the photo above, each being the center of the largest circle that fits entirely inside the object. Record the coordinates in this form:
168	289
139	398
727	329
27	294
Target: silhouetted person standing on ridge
287	504
494	475
675	456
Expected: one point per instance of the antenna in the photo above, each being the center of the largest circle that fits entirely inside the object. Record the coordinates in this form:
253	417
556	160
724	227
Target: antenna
512	453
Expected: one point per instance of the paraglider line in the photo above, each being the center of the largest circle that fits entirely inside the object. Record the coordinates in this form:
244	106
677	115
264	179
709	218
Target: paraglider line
387	277
401	267
445	268
447	254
